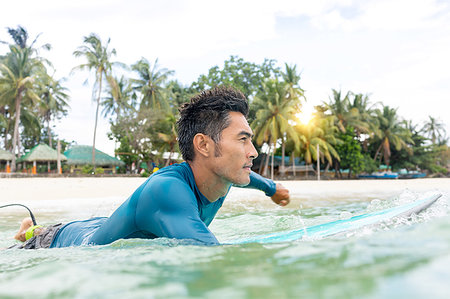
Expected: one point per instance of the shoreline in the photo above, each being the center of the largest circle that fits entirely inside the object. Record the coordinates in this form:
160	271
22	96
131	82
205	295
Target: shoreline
19	189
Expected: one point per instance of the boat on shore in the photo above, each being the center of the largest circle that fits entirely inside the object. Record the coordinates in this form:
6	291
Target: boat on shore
412	174
379	175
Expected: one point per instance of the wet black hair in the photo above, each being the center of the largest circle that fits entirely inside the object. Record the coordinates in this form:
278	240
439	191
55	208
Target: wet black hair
208	113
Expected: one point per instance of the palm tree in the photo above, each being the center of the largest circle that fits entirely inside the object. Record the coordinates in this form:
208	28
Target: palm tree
150	84
53	104
272	117
19	71
391	132
169	138
434	129
119	93
98	58
338	107
320	131
294	94
361	112
292	79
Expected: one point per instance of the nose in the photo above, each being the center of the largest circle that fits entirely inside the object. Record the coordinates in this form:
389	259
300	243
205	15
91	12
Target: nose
253	153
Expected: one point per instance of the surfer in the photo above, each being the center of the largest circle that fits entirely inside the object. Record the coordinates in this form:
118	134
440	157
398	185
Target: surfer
181	200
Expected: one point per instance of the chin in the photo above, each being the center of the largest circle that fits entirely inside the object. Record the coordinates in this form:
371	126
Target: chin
244	181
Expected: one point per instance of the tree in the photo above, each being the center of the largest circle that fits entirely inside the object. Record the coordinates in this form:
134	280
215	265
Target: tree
292	80
98	58
391	133
274	110
53	103
245	76
294	95
362	112
168	137
150	84
434	129
338	107
350	152
119	97
19	70
320	131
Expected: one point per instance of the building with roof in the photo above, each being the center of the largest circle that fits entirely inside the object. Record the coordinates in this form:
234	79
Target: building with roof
6	157
41	153
81	155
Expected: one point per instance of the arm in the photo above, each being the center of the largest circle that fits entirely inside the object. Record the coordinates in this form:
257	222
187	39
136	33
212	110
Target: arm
277	192
168	208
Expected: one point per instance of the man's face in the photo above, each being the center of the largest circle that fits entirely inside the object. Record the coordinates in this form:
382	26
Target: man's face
234	160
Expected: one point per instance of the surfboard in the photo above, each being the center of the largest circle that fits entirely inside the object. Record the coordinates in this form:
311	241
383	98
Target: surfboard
346	225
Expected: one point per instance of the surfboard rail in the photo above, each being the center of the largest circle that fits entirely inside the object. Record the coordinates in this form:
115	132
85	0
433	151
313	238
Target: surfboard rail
346	225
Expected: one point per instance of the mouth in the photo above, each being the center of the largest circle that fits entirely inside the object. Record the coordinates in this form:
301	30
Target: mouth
248	167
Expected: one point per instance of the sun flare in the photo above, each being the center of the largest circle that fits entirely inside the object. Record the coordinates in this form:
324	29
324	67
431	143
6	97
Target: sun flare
304	117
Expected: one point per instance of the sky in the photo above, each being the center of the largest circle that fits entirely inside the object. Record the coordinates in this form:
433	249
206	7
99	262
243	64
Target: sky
396	51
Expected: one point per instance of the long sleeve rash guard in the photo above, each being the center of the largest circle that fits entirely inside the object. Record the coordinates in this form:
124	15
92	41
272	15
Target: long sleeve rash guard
168	204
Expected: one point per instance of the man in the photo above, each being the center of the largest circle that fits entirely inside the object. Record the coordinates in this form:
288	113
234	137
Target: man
181	200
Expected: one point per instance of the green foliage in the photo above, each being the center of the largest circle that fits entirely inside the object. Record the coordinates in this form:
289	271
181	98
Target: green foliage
369	165
145	174
350	131
242	75
87	169
150	84
350	152
97	59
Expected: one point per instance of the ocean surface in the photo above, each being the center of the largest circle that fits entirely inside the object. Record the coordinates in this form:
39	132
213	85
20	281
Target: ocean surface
406	258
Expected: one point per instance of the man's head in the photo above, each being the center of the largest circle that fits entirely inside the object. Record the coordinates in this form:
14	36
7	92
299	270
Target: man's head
208	113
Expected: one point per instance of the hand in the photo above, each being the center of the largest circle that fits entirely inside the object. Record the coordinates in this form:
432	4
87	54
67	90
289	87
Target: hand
281	196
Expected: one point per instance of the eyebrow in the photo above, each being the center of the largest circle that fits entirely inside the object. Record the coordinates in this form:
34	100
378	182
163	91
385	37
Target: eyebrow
245	133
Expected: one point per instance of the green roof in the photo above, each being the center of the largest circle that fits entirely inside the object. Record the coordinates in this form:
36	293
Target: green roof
5	155
41	153
82	155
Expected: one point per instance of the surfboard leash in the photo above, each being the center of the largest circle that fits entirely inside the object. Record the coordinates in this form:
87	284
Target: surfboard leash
21	205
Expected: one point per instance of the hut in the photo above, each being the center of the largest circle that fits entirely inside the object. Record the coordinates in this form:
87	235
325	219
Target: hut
81	155
6	156
41	153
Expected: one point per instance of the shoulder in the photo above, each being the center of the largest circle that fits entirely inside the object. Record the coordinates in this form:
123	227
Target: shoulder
169	185
174	174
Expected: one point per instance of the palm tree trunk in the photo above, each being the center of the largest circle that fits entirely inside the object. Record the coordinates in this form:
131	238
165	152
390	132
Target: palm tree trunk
49	133
378	151
271	169
96	119
170	158
266	164
58	160
261	166
293	163
282	157
16	129
6	133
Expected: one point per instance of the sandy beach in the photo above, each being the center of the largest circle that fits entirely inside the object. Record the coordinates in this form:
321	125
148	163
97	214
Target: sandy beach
27	189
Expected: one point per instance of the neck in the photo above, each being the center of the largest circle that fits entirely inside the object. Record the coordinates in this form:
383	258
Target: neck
209	184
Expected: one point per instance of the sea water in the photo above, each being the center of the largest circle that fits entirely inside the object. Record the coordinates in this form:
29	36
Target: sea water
407	258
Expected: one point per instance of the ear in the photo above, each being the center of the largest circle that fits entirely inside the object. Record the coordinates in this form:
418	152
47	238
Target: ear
203	145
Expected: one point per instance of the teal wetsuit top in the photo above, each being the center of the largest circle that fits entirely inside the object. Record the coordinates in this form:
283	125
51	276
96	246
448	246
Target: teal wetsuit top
168	204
